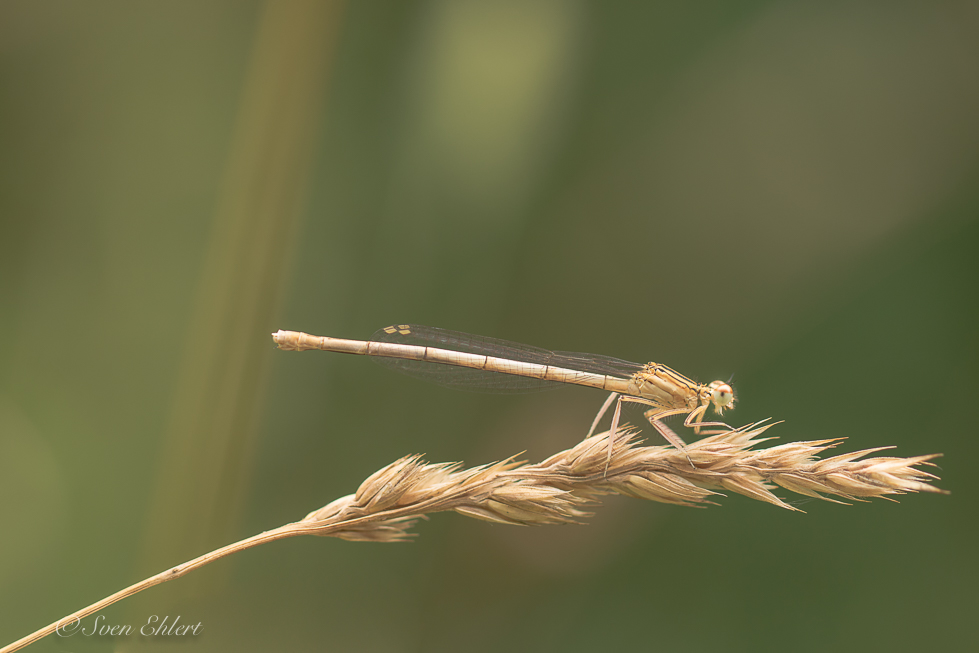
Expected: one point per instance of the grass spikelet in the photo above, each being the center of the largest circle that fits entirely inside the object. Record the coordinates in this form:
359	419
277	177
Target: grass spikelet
558	490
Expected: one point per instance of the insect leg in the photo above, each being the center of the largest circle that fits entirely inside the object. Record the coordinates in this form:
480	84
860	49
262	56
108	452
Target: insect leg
655	414
611	431
693	421
601	413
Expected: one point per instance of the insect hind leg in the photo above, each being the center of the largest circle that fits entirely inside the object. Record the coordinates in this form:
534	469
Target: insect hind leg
601	413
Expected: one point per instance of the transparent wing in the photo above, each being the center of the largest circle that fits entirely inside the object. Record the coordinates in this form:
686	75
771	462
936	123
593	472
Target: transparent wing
480	380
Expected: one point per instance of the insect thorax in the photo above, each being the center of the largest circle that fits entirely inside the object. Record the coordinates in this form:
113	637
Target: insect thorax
666	387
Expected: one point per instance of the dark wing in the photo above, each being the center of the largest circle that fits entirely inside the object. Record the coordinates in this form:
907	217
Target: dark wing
480	380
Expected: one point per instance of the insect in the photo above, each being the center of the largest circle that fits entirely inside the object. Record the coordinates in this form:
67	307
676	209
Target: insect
476	362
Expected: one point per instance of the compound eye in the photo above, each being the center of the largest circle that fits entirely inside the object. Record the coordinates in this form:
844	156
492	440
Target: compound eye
723	394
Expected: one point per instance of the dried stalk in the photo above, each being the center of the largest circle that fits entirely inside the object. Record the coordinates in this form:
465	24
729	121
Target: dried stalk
557	490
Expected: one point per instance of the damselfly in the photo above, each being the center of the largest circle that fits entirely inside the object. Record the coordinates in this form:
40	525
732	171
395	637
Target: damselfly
491	365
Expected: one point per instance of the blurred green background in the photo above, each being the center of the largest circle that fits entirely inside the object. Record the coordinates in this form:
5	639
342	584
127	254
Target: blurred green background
782	190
